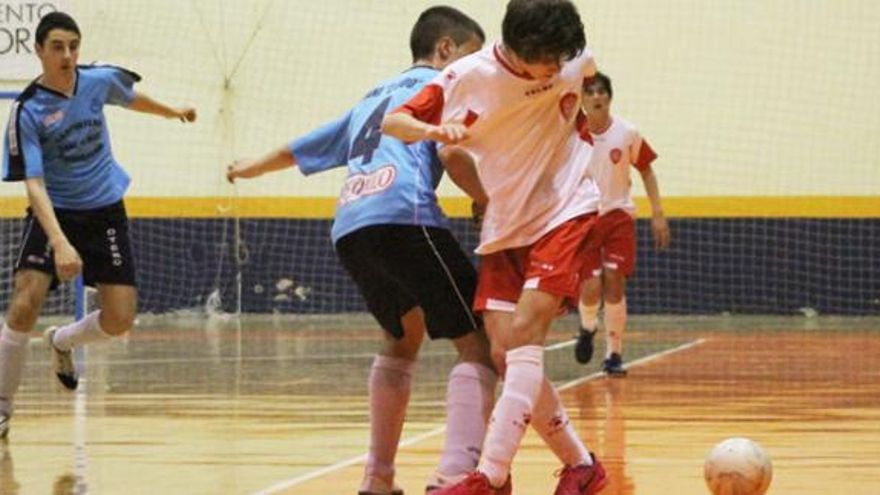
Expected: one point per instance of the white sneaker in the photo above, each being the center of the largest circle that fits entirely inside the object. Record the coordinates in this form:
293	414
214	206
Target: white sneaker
62	361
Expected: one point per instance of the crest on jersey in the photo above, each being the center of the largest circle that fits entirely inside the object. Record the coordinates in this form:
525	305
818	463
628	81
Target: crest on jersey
568	105
471	118
615	155
451	75
53	117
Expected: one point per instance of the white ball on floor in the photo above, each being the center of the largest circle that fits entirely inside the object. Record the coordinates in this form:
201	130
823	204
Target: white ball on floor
738	466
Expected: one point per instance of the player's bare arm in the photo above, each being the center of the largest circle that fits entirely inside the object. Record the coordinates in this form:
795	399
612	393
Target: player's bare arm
409	129
278	159
460	166
146	104
67	261
659	225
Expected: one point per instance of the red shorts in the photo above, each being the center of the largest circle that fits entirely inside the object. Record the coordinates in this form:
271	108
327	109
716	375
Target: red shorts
612	245
552	264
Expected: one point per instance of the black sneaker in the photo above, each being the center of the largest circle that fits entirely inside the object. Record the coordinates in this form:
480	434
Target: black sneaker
583	349
62	362
613	365
4	425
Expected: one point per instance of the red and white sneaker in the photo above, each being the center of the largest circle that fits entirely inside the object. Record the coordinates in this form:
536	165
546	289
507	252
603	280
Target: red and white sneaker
475	483
438	480
581	480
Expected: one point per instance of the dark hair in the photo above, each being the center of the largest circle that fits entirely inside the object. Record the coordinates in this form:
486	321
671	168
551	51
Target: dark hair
543	30
603	80
55	20
437	22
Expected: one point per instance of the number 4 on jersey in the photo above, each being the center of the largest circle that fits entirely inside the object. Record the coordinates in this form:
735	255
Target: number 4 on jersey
368	138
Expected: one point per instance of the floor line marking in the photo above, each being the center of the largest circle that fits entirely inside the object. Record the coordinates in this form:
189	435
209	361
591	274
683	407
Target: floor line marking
283	485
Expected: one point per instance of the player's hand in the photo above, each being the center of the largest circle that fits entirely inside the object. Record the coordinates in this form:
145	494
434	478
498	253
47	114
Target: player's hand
185	114
660	229
450	133
239	169
67	261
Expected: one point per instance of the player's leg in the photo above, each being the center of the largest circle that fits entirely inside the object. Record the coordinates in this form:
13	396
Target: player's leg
29	292
389	386
432	265
365	256
619	264
615	322
34	275
548	417
101	237
470	396
524	377
590	293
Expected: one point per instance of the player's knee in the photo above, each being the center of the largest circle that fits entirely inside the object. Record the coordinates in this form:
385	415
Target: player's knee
528	330
613	293
23	312
117	321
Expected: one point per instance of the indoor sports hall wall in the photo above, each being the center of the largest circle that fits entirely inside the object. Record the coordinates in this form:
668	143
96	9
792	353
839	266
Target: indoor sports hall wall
764	114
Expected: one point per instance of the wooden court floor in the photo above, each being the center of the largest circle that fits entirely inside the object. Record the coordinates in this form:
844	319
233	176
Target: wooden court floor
277	405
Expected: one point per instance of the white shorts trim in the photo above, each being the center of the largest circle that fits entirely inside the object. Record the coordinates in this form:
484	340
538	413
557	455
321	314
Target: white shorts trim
499	305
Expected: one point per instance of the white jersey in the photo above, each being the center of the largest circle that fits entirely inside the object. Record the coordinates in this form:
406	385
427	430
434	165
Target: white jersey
522	133
614	151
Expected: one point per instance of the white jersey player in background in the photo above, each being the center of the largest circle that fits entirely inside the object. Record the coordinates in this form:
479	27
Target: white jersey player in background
611	257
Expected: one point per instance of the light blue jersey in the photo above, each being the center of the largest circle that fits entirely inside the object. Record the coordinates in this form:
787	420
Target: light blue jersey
65	140
389	181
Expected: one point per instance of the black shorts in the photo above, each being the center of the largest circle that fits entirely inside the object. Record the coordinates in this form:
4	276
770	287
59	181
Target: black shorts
100	236
400	267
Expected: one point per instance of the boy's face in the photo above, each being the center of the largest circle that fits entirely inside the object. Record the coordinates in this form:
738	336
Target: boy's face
59	52
596	98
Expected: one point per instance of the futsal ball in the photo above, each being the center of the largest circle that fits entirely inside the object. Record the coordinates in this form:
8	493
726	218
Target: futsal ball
738	466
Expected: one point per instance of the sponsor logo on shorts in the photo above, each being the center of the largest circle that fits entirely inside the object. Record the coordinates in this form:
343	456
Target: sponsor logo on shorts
358	186
112	241
36	260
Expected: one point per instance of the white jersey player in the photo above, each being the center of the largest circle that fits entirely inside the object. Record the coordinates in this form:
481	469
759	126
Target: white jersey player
514	106
611	256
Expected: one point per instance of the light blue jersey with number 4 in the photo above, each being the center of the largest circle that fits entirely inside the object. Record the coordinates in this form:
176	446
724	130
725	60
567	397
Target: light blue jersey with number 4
389	181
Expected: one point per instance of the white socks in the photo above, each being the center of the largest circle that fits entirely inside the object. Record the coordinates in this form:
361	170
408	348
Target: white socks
13	356
80	332
513	411
552	424
470	395
589	315
389	386
615	323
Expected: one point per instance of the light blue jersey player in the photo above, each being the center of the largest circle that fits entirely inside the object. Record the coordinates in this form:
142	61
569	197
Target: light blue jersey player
64	139
393	239
389	182
56	142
